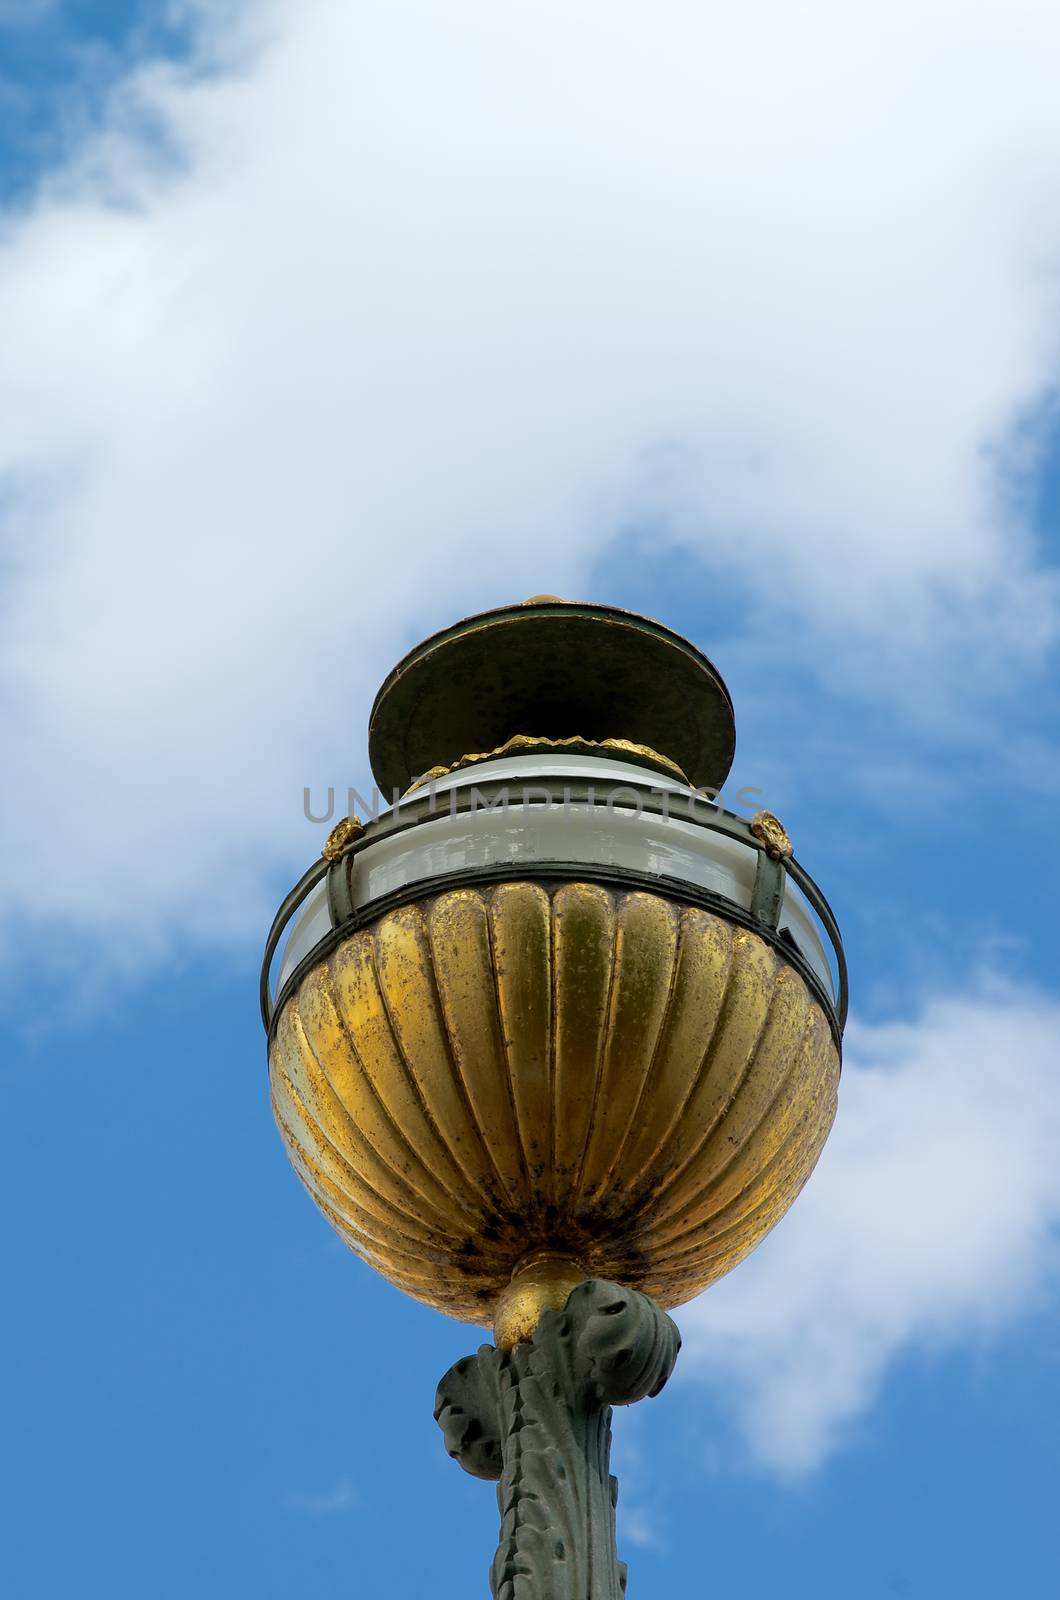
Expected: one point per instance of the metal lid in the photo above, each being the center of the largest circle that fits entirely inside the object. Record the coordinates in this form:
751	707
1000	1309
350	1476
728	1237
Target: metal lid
556	669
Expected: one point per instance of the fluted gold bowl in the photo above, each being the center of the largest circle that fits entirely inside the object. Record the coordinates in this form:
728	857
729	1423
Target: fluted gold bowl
634	1084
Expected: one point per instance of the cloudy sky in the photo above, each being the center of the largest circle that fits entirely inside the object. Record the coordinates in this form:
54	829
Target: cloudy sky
322	323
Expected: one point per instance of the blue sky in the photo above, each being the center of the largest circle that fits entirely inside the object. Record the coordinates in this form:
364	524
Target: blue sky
321	325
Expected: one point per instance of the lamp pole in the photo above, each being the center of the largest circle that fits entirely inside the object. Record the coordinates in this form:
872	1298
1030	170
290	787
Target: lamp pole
537	1419
555	1041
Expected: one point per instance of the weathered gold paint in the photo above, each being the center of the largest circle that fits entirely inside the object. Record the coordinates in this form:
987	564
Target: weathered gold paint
542	1281
524	744
773	834
345	832
517	1076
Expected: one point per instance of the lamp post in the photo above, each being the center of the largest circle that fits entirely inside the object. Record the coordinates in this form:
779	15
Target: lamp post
555	1040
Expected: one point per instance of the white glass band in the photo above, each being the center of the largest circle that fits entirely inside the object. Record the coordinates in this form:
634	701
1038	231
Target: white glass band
613	832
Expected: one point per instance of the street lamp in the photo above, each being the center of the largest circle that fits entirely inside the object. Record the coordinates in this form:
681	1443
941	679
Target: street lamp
554	1041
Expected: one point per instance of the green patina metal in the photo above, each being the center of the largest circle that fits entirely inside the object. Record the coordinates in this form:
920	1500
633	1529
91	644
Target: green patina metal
553	669
536	1420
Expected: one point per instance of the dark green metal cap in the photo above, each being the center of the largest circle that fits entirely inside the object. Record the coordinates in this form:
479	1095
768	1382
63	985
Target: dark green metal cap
553	669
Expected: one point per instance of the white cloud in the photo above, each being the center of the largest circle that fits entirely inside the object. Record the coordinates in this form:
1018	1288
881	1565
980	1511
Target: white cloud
640	1520
375	313
341	1498
932	1219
